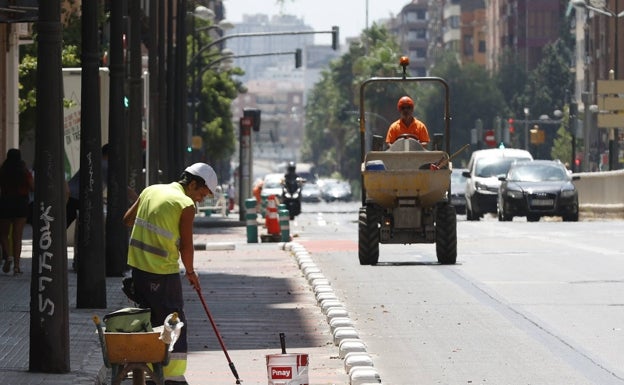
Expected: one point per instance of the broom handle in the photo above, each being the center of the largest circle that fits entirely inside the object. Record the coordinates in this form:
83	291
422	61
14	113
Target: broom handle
214	327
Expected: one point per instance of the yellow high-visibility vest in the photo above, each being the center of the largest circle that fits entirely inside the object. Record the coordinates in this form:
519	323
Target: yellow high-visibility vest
155	237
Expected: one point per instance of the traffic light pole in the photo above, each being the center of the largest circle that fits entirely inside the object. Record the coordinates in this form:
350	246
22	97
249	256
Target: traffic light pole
334	32
210	65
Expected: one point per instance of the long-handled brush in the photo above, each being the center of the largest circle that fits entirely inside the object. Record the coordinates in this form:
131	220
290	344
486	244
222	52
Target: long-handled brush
214	327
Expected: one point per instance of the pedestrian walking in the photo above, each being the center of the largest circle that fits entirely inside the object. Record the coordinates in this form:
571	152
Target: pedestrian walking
16	183
231	192
162	234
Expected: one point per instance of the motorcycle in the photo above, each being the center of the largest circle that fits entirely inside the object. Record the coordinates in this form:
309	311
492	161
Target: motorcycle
291	195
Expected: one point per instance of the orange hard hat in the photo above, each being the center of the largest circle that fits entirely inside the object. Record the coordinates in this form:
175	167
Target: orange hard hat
405	101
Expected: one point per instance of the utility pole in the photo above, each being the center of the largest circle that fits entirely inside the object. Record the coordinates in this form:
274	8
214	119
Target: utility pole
614	132
117	195
154	155
91	262
135	108
49	308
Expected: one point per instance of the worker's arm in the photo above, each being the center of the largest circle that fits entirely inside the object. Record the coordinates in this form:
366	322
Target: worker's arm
130	215
186	245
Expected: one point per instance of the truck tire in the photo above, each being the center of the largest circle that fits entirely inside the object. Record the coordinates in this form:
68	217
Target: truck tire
368	234
446	234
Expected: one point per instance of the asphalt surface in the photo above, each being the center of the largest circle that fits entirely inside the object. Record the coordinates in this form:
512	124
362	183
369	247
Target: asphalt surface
254	292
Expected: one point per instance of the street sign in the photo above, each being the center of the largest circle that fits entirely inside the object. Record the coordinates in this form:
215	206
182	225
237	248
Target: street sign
610	87
611	120
246	122
537	136
610	104
490	138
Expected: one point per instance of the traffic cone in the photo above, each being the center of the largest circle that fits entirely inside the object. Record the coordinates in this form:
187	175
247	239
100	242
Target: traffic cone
272	218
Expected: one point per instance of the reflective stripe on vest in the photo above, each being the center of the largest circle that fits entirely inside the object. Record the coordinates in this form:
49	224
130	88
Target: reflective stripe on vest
150	249
152	227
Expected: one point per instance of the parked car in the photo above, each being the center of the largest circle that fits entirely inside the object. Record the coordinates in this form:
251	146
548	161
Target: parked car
311	192
458	190
538	188
336	191
484	168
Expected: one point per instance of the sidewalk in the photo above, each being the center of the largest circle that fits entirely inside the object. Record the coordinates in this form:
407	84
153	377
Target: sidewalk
253	291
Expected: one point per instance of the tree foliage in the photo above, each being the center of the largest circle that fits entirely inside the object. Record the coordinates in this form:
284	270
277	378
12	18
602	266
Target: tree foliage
473	95
331	134
217	89
70	57
332	137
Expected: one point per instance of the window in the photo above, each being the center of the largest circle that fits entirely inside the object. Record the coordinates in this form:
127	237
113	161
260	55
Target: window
468	41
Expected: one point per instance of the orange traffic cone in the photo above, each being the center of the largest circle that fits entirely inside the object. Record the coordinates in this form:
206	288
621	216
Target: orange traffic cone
271	218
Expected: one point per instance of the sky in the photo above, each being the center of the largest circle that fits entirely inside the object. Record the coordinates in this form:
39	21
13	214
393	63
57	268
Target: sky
349	15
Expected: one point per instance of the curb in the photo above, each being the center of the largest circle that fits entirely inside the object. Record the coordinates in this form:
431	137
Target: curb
358	364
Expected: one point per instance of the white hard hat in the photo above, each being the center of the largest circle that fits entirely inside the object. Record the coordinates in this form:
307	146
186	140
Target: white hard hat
205	172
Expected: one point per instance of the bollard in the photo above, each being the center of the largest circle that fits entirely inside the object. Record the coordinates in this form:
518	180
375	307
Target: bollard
252	220
284	218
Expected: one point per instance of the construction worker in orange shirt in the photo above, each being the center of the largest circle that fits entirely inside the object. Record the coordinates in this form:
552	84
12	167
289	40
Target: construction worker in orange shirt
407	124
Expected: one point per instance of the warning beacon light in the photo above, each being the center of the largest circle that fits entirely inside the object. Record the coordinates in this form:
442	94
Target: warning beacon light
404	62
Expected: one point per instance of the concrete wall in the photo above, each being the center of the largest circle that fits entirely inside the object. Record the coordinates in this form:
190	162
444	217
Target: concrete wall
601	192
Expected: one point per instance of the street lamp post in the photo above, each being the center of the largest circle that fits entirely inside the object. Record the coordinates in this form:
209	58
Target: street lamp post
526	128
203	13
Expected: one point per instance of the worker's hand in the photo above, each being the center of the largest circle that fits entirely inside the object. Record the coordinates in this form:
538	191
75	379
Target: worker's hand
193	279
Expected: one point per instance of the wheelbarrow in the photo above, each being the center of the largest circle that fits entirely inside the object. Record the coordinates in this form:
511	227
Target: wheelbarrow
138	352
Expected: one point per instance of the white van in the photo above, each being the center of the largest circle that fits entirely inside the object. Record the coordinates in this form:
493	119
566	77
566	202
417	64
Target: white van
484	168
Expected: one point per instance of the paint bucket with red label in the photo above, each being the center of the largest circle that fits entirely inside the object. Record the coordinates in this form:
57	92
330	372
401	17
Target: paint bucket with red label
287	369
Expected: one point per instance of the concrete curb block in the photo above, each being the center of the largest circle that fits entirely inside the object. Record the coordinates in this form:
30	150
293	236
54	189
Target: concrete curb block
349	345
340	322
310	269
312	276
360	375
356	359
328	304
319	281
344	332
324	296
322	289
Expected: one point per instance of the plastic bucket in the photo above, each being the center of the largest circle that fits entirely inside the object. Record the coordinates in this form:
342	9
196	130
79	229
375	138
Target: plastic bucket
287	369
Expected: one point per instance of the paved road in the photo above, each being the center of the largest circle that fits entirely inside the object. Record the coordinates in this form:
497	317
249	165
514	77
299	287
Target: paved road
527	303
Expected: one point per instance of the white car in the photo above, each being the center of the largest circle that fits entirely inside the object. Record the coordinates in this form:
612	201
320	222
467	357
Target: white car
272	185
484	169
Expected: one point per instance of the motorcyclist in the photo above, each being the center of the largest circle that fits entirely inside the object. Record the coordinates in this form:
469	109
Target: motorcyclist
291	179
290	194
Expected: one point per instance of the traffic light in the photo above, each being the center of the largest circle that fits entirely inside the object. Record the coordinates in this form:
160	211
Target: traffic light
335	37
298	58
254	114
510	126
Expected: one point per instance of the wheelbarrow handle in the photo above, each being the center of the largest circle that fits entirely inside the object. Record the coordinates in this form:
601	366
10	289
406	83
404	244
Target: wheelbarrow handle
100	331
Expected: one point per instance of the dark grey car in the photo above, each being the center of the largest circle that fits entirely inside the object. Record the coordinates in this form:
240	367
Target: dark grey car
535	189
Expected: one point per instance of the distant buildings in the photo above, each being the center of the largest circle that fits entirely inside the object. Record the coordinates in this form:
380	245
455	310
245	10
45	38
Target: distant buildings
273	83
